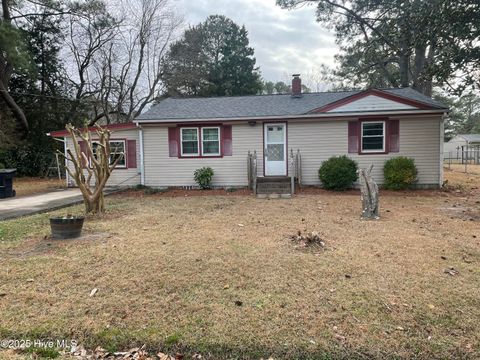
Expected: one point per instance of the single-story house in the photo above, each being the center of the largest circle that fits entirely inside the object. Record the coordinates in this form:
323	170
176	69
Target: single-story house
166	144
463	146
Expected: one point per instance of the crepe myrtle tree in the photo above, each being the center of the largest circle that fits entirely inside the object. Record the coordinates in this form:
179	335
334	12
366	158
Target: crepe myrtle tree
92	161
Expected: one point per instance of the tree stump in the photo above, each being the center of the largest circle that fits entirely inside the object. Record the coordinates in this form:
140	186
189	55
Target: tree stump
369	191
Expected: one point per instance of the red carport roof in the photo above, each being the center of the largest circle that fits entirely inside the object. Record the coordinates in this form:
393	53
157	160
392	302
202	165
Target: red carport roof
124	126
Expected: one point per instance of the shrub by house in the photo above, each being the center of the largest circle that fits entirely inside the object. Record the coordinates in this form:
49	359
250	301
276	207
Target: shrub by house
203	177
338	173
399	173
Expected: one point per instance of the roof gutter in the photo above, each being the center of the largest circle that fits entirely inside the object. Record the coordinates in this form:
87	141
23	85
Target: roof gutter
142	156
299	117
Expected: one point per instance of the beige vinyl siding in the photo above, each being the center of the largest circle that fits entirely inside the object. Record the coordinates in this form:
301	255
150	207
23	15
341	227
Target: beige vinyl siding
161	170
317	141
372	103
120	176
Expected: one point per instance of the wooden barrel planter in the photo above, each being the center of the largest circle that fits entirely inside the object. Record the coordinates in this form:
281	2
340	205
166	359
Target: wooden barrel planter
66	227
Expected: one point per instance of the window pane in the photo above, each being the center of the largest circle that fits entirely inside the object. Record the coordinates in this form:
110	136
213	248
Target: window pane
94	149
210	134
117	150
190	147
116	146
372	143
275	152
275	134
211	147
121	162
190	134
372	129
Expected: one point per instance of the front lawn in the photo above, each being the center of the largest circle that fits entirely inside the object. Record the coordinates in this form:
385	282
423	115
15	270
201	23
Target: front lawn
220	276
35	185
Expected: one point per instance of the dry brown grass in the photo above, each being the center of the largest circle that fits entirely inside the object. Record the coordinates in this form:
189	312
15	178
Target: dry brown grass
169	271
456	179
459	168
29	186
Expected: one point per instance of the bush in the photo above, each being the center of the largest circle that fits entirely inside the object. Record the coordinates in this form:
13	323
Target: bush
203	177
29	159
338	173
399	173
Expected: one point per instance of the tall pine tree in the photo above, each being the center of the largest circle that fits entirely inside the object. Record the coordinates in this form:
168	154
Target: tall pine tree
212	59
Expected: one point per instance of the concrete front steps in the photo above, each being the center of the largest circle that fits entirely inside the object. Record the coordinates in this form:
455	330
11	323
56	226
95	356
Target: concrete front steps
274	187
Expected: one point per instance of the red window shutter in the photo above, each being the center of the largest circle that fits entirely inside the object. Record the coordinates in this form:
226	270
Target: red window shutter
131	154
394	135
83	149
227	140
353	134
173	139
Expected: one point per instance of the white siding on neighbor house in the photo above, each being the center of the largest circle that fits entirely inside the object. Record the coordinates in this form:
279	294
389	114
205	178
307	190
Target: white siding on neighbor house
372	103
161	170
119	177
317	141
450	148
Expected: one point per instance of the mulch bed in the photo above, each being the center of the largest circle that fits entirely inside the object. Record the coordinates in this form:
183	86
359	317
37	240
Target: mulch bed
306	190
175	192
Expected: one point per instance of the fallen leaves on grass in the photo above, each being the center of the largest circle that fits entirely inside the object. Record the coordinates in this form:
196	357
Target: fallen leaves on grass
308	240
81	353
451	271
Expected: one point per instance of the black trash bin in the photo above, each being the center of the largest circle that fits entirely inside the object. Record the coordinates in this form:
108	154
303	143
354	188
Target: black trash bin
6	183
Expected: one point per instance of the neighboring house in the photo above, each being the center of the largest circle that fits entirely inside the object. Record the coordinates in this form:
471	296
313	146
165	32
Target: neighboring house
179	135
459	144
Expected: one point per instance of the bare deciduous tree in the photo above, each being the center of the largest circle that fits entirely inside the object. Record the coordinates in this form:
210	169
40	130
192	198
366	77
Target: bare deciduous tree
91	162
118	59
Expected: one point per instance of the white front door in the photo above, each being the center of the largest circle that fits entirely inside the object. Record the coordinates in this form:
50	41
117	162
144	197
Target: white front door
275	151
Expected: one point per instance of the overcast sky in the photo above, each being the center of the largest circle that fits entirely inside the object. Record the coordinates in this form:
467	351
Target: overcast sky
285	41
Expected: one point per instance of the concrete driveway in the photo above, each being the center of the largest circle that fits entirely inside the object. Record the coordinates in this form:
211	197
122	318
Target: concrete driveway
34	204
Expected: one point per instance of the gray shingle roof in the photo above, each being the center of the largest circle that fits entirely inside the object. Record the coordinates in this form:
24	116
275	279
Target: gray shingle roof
471	137
259	105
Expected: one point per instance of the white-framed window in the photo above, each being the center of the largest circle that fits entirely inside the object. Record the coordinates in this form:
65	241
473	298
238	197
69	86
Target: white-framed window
117	150
210	141
189	141
373	136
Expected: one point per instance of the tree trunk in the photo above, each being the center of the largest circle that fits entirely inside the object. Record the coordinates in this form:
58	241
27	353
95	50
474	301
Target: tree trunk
6	11
403	61
428	86
419	69
404	51
369	191
95	205
16	110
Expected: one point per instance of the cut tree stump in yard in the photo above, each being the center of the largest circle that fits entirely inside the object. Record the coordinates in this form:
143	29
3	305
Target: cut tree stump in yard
369	190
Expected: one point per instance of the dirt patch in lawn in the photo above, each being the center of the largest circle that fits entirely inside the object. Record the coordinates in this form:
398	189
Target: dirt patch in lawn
47	245
215	275
32	185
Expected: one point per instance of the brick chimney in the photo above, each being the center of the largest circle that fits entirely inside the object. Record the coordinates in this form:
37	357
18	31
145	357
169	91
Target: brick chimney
296	86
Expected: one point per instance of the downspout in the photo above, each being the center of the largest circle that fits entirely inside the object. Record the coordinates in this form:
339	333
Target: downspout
142	161
442	131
